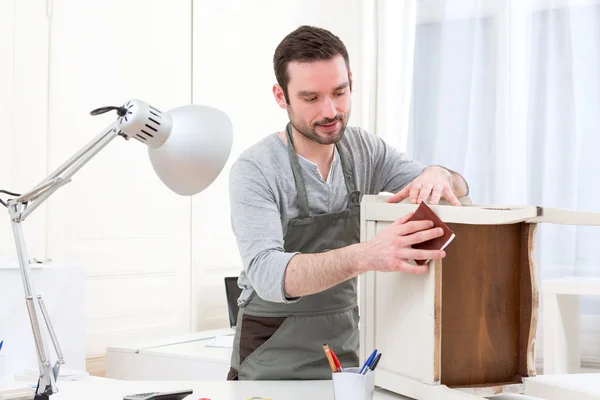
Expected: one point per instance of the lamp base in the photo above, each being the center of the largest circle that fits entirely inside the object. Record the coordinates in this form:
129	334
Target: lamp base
45	394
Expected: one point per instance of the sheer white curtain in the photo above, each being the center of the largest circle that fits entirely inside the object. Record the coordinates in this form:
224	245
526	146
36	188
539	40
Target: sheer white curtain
507	93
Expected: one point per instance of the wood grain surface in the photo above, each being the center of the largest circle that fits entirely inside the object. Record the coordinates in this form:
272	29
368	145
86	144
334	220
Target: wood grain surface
484	287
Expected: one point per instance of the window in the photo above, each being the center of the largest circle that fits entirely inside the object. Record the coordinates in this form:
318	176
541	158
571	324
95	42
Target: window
508	93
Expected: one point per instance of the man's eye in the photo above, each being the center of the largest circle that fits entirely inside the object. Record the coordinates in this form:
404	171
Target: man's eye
310	100
340	94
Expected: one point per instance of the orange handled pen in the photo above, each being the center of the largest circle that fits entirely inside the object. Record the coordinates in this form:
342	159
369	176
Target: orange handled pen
329	358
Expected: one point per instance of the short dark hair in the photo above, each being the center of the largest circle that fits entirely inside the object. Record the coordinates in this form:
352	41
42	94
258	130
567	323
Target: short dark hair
306	44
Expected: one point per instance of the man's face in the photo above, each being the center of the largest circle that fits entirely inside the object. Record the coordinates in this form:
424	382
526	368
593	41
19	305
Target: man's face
319	99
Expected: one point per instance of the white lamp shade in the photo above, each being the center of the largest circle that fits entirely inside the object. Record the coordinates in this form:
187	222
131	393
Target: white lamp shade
196	150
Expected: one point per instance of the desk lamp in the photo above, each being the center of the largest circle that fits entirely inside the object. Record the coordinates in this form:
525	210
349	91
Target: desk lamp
188	147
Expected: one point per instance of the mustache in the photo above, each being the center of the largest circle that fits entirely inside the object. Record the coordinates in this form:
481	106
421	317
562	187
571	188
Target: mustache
328	121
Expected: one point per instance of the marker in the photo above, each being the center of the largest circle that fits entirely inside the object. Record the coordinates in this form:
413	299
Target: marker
369	361
371	367
375	362
1	343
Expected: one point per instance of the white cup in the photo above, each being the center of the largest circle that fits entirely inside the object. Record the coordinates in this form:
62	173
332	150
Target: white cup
350	385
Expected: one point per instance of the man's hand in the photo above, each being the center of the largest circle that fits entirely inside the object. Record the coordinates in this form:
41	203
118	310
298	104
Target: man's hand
391	249
435	182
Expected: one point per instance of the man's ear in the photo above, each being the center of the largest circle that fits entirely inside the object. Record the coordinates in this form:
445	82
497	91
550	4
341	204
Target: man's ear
279	96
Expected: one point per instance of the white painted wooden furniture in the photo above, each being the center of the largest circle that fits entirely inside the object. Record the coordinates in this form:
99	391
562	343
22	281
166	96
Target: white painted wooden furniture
183	357
561	321
467	327
564	387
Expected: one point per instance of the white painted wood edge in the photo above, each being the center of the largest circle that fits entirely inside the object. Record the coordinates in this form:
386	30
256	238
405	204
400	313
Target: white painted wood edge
367	289
486	391
463	215
575	285
549	391
535	299
430	336
491	214
363	302
567	217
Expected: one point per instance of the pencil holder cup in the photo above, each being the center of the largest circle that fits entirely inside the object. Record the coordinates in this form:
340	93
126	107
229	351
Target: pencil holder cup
351	385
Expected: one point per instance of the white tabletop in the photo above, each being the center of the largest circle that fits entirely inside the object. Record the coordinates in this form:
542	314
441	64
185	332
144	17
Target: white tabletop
93	388
101	389
224	390
196	350
162	343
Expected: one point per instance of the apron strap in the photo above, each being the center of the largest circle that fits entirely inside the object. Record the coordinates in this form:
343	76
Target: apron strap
349	178
300	186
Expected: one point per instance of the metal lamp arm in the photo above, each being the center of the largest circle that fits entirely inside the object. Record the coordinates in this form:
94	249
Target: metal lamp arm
62	175
136	120
19	209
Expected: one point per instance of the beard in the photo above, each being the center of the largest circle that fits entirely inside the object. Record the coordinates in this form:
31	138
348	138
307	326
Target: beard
310	131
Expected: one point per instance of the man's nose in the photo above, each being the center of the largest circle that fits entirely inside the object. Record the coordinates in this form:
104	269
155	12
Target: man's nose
328	109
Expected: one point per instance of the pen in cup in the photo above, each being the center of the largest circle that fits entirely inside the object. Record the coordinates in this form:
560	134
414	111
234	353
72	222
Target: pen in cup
337	363
369	361
373	364
329	358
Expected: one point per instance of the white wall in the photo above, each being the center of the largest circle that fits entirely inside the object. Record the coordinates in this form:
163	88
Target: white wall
153	261
116	219
23	112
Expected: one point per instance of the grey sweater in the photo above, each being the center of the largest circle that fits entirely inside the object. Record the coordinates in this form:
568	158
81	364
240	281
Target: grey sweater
263	200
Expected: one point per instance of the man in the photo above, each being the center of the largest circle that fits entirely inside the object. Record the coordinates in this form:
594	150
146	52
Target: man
295	202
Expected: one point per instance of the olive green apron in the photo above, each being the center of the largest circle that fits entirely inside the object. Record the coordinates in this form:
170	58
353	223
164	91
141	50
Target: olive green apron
285	341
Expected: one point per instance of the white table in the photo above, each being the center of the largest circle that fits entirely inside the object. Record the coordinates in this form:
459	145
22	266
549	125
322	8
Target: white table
94	388
104	389
186	357
565	387
561	321
543	387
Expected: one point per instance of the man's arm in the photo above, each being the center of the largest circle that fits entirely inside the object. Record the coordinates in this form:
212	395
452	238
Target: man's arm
284	277
276	275
389	251
313	273
256	224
